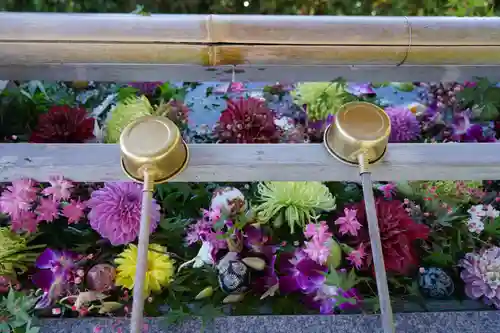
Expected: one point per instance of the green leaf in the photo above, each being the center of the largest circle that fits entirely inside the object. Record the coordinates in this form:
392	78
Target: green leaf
439	259
492	228
489	112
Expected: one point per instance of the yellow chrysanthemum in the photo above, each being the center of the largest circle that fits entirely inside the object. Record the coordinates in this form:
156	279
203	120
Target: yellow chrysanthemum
295	202
321	98
158	275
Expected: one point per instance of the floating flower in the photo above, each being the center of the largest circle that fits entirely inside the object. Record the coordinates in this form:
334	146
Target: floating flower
74	211
26	221
247	121
327	298
63	124
397	231
123	114
357	257
404	125
59	189
388	190
56	272
18	197
175	110
295	203
300	273
115	212
321	98
319	246
481	275
146	88
159	274
47	210
349	223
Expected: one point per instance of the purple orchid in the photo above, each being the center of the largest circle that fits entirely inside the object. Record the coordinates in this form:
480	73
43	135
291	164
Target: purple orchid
52	264
56	269
465	131
301	273
325	299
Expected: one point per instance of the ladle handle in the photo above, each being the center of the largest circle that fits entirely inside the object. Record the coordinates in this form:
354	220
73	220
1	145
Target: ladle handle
136	322
377	254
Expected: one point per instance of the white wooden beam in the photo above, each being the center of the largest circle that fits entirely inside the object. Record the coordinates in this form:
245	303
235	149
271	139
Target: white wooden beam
285	162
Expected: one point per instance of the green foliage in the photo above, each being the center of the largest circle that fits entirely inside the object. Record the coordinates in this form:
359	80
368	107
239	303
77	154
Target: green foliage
16	309
484	99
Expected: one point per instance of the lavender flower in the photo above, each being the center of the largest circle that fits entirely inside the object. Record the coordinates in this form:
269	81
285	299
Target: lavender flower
404	125
481	274
115	212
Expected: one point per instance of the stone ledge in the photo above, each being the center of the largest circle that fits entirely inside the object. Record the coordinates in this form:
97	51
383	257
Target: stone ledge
423	322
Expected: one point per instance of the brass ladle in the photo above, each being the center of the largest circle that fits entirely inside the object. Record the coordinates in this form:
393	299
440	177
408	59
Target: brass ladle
359	136
152	152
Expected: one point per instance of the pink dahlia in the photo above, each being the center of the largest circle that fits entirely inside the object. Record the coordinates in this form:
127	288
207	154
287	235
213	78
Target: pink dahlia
404	125
481	274
115	212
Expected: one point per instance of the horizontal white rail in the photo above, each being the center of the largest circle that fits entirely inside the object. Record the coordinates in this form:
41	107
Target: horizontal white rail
256	162
126	47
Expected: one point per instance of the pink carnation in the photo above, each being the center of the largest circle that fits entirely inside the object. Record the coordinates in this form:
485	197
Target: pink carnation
59	188
18	198
115	212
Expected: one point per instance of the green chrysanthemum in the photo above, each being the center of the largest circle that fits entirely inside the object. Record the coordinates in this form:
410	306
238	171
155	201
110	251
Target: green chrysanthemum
295	202
124	113
321	98
15	254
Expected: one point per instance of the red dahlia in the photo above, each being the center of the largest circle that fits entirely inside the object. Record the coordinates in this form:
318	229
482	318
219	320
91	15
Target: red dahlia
398	231
63	124
247	121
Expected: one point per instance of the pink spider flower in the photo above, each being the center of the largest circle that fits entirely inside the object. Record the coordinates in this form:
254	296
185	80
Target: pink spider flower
47	210
318	231
74	211
388	190
357	256
349	223
59	189
26	221
18	197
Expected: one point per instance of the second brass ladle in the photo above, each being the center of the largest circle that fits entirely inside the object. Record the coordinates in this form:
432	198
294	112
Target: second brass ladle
359	136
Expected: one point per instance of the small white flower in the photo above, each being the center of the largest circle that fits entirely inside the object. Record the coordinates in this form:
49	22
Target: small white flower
477	210
475	225
492	212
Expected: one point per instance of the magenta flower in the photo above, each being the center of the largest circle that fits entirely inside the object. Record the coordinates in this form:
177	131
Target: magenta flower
360	89
25	221
388	190
301	273
18	197
74	211
47	210
318	231
357	256
349	223
115	212
319	245
60	188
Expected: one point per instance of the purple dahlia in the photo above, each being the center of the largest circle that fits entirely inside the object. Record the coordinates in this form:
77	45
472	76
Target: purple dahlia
481	274
404	124
115	212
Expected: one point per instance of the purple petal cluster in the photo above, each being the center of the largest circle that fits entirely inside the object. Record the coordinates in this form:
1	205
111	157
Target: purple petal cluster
404	124
481	275
115	212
